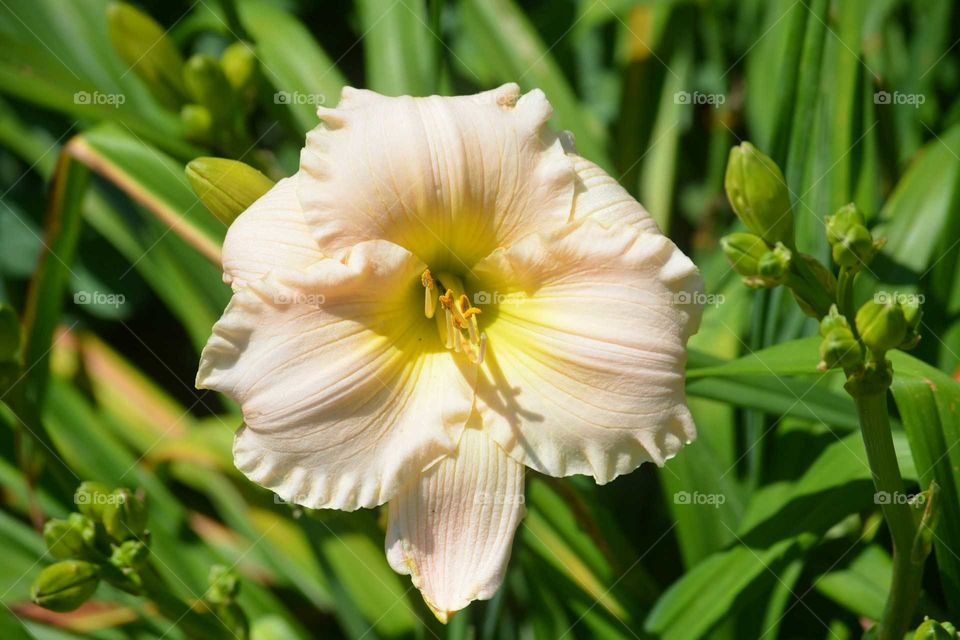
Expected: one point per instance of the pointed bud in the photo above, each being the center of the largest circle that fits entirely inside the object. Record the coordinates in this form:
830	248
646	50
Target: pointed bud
65	585
226	187
70	538
208	86
145	47
124	517
882	325
840	350
130	554
855	249
933	630
224	585
840	223
197	122
833	320
744	251
240	67
91	498
775	265
758	194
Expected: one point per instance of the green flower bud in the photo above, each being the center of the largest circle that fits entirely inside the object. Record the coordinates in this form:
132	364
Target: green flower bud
240	67
224	585
197	122
70	538
744	251
145	47
124	517
775	265
226	187
933	630
840	223
833	320
65	585
129	554
758	194
882	325
840	350
209	87
91	497
855	248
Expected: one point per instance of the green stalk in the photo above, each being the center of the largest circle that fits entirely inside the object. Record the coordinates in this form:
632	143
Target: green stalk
869	392
194	621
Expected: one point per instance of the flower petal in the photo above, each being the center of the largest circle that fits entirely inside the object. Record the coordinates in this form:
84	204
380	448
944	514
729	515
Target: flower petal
449	178
270	234
586	349
452	529
345	391
601	198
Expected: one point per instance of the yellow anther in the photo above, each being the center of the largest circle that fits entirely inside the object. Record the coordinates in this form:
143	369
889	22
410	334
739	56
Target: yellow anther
459	329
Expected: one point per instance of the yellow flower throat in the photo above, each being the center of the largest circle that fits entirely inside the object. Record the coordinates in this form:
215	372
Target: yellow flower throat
458	326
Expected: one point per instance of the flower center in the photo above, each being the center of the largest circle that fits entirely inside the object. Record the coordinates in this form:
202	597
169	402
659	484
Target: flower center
458	326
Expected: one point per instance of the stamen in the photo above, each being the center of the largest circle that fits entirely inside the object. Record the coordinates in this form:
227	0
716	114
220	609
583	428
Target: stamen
459	329
429	294
451	329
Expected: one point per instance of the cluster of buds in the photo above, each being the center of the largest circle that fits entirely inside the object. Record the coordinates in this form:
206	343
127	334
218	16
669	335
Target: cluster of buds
851	243
213	95
839	349
107	540
766	256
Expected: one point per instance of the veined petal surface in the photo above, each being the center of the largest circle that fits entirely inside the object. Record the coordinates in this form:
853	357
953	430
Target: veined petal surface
271	234
453	528
587	331
345	390
449	178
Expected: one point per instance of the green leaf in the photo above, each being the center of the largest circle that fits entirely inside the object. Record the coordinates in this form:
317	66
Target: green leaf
928	400
400	47
918	211
154	180
861	586
292	61
74	69
510	45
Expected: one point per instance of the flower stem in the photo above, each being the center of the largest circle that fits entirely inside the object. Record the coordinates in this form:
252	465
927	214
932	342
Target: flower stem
870	395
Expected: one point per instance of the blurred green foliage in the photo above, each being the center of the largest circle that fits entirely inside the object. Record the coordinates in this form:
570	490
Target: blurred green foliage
766	527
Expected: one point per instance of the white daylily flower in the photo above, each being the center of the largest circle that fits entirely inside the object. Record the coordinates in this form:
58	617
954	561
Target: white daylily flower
441	296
